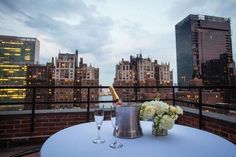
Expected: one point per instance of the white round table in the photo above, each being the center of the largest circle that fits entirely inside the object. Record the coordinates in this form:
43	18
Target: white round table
181	141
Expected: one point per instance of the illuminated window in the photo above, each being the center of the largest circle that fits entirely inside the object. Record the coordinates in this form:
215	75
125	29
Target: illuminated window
27	58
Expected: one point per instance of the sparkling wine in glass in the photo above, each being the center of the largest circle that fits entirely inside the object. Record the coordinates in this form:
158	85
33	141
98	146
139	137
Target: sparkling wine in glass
99	116
114	119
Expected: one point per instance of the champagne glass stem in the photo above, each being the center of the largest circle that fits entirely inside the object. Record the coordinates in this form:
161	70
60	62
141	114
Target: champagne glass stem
116	132
99	132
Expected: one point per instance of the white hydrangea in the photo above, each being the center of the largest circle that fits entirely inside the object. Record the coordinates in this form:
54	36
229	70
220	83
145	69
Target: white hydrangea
167	122
161	107
175	117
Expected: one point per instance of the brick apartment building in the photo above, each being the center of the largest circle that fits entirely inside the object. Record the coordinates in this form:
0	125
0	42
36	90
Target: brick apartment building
141	71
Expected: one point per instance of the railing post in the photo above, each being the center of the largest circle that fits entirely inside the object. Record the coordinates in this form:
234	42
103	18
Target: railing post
200	108
173	93
33	109
88	105
230	94
136	93
74	95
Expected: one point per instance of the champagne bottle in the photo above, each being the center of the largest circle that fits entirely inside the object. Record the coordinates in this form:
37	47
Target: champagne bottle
115	96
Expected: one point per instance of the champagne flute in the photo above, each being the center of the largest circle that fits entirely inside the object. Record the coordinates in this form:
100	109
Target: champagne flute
114	120
99	116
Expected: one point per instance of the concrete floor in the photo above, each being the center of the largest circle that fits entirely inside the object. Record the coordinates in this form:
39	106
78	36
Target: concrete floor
15	150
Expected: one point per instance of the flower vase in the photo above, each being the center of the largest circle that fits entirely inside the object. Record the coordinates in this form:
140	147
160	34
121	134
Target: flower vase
156	131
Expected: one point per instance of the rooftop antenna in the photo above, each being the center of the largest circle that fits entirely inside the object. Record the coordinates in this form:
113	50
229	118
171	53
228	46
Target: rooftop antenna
140	55
141	51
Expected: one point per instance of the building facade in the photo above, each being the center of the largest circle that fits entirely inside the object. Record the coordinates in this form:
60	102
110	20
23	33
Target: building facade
124	72
125	76
200	39
40	75
65	68
165	74
141	71
165	78
16	53
144	76
87	76
144	67
68	72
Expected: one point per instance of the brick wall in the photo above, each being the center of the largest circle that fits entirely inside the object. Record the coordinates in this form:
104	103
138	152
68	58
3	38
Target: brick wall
222	128
45	124
18	127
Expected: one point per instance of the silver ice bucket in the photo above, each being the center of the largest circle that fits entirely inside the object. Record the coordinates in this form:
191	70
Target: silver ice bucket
128	121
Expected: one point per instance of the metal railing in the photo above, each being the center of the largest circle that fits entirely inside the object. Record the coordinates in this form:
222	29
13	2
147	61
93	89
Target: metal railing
173	89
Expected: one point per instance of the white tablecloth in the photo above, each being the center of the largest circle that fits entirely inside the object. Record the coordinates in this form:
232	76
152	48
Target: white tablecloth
181	141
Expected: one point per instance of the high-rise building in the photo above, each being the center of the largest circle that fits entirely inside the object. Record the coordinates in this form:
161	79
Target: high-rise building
16	53
141	71
200	39
87	76
124	72
68	73
40	75
219	71
144	68
165	78
125	76
165	74
144	75
65	68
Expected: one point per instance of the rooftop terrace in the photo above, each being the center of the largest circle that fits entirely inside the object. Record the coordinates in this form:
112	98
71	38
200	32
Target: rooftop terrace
22	130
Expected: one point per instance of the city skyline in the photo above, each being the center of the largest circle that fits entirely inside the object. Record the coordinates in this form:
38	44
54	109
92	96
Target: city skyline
104	32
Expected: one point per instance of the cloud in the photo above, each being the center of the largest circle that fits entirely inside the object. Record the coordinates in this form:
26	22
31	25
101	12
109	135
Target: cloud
49	17
180	9
60	8
89	36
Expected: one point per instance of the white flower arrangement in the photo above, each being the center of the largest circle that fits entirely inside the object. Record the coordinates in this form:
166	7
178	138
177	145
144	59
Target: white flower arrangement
162	114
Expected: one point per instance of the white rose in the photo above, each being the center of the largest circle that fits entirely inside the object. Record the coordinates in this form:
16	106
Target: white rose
159	110
149	112
145	104
179	110
166	122
173	109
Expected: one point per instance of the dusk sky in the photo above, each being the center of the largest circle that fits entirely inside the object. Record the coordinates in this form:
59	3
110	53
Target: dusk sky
105	31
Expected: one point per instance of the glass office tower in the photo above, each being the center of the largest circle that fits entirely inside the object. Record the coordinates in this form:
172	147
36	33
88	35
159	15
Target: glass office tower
200	41
15	54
